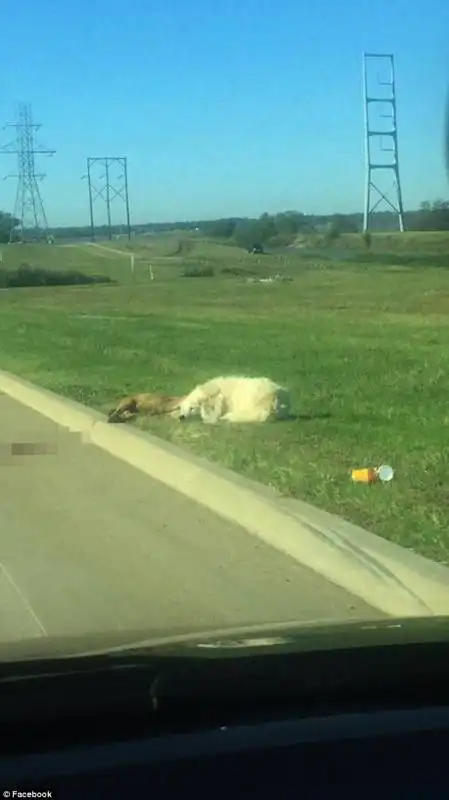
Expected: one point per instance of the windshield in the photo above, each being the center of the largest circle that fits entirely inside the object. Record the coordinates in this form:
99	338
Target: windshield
224	358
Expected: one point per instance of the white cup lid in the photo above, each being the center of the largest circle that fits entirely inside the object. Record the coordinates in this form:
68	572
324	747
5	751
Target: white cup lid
385	473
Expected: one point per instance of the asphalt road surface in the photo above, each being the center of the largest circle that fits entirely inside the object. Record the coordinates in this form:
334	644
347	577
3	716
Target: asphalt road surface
88	543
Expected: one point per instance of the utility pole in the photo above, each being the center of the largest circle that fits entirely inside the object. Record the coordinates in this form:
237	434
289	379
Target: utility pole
107	178
28	207
379	98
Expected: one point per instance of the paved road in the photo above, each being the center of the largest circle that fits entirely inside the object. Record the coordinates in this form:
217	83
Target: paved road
88	543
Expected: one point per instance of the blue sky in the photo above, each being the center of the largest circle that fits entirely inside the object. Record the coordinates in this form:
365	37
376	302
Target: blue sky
222	106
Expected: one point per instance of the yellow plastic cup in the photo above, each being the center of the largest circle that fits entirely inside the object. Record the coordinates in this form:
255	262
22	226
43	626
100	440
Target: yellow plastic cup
365	475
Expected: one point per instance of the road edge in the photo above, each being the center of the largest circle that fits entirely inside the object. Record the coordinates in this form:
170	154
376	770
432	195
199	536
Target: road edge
388	577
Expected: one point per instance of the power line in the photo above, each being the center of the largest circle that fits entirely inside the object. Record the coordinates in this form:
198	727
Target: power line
382	99
28	207
108	186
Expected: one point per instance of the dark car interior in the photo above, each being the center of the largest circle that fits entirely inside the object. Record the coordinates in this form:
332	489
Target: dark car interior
370	721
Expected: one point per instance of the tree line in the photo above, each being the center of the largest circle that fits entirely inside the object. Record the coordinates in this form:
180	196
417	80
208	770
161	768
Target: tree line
269	229
282	229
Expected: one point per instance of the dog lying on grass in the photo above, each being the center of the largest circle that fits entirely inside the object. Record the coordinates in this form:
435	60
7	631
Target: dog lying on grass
236	399
146	403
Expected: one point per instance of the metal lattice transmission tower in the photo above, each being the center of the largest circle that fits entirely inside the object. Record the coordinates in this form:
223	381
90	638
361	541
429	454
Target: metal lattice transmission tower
381	135
107	177
28	207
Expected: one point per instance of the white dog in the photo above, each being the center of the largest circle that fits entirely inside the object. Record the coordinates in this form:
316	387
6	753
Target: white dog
236	399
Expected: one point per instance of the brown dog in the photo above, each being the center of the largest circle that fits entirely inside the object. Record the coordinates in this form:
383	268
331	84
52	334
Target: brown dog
150	404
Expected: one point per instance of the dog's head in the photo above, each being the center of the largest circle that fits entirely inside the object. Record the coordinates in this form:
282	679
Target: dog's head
124	411
191	405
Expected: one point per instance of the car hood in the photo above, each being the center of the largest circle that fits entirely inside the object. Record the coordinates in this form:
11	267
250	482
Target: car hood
213	643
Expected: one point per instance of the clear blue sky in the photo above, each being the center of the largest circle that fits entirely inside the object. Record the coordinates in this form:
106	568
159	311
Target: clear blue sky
222	106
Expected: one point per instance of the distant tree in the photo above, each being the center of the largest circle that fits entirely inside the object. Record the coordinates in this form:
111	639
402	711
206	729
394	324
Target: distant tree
7	225
267	228
367	239
439	205
287	225
331	231
220	228
247	232
431	216
344	223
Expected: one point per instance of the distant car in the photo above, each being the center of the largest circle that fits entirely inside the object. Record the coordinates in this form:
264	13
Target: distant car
256	249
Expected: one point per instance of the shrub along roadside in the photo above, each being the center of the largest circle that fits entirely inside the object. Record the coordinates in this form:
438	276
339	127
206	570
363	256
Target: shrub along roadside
198	272
26	276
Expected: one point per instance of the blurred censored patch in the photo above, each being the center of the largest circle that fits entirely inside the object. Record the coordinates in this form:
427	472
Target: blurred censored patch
10	452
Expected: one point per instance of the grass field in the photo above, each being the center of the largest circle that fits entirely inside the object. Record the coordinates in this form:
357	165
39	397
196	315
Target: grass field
364	350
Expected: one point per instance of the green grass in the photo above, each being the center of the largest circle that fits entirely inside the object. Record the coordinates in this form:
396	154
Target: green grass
365	352
396	242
